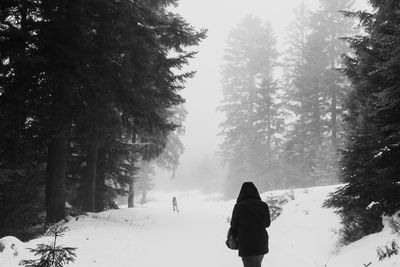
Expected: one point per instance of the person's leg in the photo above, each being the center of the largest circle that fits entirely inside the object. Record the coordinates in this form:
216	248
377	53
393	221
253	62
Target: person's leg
258	260
249	261
252	261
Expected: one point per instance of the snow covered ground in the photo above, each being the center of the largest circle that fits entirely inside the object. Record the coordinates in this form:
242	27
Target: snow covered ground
153	236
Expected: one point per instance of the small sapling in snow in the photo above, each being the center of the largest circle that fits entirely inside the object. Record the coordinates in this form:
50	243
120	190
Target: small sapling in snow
275	204
52	255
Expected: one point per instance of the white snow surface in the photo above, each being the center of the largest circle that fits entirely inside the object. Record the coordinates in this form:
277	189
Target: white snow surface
152	235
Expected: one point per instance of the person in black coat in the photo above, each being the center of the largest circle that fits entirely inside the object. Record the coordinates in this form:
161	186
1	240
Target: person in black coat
250	217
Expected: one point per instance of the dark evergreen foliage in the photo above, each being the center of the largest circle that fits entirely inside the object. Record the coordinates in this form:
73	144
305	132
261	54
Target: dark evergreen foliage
369	165
22	108
87	88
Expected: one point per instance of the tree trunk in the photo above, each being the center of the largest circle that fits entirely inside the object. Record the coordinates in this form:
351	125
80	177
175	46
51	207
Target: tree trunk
55	181
269	132
100	181
144	197
91	168
302	150
68	18
334	119
131	194
57	154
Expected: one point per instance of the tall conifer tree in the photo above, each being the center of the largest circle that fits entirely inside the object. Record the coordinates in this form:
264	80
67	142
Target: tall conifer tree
249	102
370	159
86	78
315	92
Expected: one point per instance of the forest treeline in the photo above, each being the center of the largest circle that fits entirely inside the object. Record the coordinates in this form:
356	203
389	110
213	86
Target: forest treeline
89	94
284	108
326	110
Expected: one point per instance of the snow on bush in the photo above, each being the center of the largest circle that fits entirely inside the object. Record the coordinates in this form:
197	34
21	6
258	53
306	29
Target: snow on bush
394	222
10	246
387	251
276	202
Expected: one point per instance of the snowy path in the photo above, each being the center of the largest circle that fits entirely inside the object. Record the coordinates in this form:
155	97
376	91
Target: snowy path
154	236
304	235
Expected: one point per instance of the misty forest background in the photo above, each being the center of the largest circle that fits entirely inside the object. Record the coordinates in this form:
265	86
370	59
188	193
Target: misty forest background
90	106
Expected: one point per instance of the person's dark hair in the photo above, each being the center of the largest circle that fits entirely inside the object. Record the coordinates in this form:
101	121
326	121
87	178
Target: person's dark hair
248	191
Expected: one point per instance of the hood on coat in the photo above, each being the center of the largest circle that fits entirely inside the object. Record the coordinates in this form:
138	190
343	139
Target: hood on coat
248	191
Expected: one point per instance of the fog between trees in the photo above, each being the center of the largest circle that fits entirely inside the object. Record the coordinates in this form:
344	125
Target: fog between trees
91	103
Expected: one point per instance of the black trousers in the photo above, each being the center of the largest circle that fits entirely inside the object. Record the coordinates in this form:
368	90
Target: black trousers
252	261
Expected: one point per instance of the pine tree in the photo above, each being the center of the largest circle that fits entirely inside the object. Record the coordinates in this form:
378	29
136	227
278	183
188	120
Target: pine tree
132	103
295	139
62	45
84	80
305	99
334	27
315	92
53	254
169	158
249	101
369	163
22	147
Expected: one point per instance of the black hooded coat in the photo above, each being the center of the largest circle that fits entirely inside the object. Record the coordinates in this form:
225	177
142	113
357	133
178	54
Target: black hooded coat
250	217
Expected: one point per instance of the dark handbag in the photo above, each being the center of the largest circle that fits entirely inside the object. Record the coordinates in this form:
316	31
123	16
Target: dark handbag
231	240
